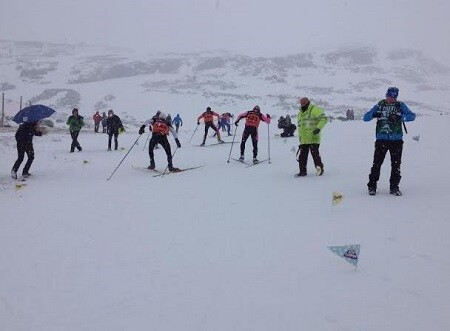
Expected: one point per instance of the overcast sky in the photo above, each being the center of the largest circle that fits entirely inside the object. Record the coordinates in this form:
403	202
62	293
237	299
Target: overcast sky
266	27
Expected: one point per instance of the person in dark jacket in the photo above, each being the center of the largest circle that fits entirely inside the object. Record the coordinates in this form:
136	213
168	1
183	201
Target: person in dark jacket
114	124
161	127
389	114
75	123
24	139
104	122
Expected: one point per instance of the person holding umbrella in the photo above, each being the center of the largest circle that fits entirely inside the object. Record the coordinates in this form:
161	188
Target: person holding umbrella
24	139
75	123
28	119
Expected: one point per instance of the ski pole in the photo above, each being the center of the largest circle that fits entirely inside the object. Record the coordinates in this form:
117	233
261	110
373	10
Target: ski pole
194	133
167	166
268	141
404	126
123	158
232	143
146	140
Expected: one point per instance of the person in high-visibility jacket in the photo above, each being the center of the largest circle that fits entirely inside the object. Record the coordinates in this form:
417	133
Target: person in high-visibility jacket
310	119
252	119
208	118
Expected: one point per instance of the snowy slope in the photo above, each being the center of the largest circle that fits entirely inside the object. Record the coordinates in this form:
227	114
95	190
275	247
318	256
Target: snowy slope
225	247
93	78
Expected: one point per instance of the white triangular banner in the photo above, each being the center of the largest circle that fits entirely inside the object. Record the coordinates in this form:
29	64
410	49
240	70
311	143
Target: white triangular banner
349	253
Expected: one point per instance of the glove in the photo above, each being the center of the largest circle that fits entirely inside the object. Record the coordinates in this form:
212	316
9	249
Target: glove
394	117
316	131
142	129
198	123
377	114
236	123
178	143
268	116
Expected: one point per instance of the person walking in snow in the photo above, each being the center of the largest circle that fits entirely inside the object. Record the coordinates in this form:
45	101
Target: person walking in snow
389	114
97	119
208	118
114	124
24	139
177	121
310	121
105	123
160	128
75	123
252	119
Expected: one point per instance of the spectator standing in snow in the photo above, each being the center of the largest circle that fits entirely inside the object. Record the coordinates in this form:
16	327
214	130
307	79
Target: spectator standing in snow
75	123
24	139
97	119
252	119
114	124
311	120
389	137
160	127
208	118
177	121
105	122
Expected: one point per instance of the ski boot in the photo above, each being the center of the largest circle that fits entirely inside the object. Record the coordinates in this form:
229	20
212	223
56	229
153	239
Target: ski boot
151	166
26	174
173	169
13	174
241	158
255	160
372	191
395	191
319	171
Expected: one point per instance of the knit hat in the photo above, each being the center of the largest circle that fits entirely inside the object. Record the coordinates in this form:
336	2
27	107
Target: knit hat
392	92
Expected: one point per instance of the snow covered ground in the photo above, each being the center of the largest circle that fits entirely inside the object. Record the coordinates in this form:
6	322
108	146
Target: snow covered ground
225	247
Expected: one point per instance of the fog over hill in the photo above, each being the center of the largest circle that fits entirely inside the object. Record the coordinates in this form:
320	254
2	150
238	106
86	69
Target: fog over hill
135	85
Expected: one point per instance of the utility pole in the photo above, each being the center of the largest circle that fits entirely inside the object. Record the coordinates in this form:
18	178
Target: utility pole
3	109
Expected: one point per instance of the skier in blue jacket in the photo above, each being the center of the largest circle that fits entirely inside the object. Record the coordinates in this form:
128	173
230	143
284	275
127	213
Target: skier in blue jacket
177	121
390	114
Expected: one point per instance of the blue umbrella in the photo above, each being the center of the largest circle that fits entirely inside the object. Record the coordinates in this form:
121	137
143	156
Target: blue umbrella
33	113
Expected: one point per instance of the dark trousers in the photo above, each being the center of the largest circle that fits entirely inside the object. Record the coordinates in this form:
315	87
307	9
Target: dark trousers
303	157
177	126
75	143
110	135
395	148
162	140
96	126
23	148
253	132
212	126
105	129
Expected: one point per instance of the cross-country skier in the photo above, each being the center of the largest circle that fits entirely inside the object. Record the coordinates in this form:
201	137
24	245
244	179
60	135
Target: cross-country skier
208	118
160	128
252	119
389	137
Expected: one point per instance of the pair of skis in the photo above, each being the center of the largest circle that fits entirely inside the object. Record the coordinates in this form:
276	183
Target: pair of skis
248	165
159	173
